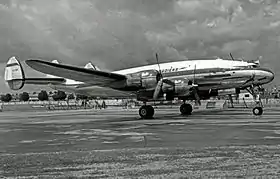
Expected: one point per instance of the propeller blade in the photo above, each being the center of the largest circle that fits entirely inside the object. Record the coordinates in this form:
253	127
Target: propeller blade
169	82
194	71
231	56
158	89
158	64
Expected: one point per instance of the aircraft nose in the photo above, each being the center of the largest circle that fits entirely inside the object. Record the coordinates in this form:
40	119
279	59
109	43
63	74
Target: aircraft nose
268	74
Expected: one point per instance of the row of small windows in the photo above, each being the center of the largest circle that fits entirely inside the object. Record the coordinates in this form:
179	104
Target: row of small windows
169	70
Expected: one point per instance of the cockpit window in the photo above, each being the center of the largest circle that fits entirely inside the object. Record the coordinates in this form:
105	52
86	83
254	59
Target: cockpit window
253	66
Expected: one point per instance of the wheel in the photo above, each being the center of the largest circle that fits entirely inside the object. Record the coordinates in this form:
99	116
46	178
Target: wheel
186	109
257	111
146	112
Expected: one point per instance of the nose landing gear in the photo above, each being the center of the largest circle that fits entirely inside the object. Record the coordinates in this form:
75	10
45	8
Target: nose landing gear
258	111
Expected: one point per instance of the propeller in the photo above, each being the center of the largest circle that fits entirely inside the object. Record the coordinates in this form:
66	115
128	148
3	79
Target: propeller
194	87
162	81
194	71
158	88
231	56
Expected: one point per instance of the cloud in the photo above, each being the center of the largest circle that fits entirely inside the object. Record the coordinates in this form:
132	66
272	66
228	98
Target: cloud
116	34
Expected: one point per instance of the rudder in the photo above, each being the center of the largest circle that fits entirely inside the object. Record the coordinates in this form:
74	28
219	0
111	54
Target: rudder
14	74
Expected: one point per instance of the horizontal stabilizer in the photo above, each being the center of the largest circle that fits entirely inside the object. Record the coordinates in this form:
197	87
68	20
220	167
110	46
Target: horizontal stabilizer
44	81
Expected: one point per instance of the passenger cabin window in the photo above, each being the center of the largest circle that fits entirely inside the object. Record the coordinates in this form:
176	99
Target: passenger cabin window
247	95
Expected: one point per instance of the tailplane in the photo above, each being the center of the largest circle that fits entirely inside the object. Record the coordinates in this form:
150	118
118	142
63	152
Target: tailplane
91	66
14	74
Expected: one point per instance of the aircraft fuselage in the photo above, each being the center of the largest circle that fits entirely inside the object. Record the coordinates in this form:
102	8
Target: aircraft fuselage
215	74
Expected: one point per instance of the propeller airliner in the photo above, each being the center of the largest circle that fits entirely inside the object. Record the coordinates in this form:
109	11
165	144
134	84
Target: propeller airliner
189	80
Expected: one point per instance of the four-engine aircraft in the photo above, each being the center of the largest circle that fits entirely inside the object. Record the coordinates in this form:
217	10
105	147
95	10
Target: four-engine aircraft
196	79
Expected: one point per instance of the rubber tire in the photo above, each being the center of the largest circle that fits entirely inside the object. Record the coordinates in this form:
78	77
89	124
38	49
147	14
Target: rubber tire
186	109
257	111
151	111
146	112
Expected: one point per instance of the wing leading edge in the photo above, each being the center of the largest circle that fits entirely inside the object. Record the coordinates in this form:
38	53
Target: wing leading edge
89	76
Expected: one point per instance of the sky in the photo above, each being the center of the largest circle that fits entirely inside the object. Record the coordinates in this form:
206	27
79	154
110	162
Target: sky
116	34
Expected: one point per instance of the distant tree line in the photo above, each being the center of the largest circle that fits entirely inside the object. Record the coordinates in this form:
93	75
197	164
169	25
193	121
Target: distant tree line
42	96
6	98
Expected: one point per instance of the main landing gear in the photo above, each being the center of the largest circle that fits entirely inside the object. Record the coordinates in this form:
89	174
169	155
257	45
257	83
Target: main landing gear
147	111
186	109
258	109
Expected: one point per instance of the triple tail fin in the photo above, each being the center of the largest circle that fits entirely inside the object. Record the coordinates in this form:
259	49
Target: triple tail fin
91	66
15	77
14	74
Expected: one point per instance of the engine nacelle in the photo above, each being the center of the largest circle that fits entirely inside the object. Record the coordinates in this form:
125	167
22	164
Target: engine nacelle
144	79
229	91
176	90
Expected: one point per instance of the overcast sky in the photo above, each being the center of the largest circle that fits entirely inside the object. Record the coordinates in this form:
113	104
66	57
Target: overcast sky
116	34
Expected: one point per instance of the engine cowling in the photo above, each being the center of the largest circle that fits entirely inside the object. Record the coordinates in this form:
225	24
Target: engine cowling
176	90
143	80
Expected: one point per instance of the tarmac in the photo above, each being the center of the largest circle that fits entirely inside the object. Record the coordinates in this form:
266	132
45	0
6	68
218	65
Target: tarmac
116	143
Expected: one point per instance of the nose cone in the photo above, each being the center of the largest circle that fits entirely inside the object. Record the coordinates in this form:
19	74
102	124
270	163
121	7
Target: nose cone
270	75
267	74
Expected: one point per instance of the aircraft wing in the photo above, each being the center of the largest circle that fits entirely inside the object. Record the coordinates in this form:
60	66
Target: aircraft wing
88	76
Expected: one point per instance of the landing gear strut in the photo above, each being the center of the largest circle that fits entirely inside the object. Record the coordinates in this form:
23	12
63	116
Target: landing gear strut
146	112
186	109
258	109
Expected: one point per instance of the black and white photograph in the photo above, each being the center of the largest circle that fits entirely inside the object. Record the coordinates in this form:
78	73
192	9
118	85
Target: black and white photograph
139	89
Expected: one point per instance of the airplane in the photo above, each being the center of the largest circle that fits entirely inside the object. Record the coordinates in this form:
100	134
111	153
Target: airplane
188	80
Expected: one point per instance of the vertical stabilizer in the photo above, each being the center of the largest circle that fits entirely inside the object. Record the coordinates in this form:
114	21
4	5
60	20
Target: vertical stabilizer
14	74
91	66
55	61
